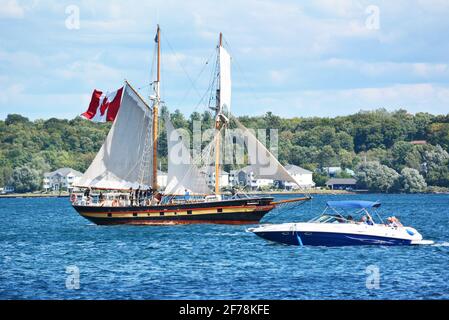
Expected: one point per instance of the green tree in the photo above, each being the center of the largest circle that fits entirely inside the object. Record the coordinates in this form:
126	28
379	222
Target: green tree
377	177
398	154
438	176
439	134
327	157
24	179
320	179
12	119
412	181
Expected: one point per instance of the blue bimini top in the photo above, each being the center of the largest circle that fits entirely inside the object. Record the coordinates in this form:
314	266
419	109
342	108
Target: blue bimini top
353	204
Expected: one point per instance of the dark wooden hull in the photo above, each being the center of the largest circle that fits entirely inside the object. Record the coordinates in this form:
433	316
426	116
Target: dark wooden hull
235	211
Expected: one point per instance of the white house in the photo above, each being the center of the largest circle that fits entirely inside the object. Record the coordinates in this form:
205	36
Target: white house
6	189
210	177
334	171
247	178
302	176
61	179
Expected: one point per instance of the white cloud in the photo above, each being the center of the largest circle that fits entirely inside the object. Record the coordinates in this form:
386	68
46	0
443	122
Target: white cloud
11	9
10	93
21	59
415	98
376	69
91	71
279	76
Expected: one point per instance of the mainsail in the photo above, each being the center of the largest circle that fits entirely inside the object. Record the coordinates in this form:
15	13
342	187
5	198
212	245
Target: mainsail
183	174
124	160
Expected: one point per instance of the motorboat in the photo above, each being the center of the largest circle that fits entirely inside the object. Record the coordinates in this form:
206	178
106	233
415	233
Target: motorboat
335	227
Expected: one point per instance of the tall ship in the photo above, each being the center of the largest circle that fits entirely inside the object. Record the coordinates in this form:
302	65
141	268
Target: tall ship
121	184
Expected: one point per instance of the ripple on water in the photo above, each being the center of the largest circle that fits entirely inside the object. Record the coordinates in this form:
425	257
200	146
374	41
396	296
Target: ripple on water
39	238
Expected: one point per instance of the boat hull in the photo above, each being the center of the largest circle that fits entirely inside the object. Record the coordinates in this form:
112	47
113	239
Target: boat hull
327	239
237	211
333	235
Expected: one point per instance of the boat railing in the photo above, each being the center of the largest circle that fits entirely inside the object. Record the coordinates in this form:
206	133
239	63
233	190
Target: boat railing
115	199
111	200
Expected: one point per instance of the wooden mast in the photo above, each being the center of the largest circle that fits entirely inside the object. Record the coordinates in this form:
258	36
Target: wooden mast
156	109
218	125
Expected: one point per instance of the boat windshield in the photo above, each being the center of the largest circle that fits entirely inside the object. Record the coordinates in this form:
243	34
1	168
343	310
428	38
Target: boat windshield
327	218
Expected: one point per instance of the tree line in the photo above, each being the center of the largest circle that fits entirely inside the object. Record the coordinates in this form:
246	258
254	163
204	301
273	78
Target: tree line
377	145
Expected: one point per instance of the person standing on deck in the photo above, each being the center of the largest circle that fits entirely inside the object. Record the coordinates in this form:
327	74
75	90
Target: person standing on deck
187	195
131	196
141	197
136	195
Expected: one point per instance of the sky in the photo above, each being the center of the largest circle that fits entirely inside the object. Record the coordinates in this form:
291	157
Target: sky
293	58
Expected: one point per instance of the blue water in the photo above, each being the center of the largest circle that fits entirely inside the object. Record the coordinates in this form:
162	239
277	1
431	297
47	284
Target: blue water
40	238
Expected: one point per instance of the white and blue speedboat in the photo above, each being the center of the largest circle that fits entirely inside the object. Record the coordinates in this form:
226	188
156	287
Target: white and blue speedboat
334	227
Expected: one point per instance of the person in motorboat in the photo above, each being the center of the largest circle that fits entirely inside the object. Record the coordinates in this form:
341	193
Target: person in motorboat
393	222
366	219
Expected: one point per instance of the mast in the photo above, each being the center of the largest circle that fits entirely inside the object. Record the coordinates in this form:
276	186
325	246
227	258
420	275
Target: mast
156	108
218	125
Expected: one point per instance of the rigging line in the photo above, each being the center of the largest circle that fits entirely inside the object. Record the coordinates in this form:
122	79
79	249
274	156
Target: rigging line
192	82
152	70
207	93
209	90
151	83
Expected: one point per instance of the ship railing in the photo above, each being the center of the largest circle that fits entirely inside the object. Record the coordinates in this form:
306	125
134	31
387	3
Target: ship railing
112	199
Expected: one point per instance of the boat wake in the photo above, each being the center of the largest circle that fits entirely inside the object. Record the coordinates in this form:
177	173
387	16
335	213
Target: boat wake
441	244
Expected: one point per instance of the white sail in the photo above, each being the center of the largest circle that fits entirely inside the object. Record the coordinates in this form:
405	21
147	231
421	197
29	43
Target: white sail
183	174
225	81
263	163
124	160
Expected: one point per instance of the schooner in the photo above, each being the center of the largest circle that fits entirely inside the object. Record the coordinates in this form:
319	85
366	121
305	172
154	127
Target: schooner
121	184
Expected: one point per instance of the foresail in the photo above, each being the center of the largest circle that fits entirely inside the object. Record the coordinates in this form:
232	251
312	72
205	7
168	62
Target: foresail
225	81
183	174
262	162
124	160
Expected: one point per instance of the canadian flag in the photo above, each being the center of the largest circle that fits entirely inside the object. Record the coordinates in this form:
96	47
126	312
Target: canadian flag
103	107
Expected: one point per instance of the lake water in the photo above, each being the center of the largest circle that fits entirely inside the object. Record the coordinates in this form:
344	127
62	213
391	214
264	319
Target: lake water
40	238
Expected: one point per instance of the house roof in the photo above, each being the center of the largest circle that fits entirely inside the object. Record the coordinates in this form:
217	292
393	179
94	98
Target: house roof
348	181
292	169
63	172
211	169
247	169
418	142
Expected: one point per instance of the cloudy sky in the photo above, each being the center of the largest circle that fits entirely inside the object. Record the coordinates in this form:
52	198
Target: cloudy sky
294	58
